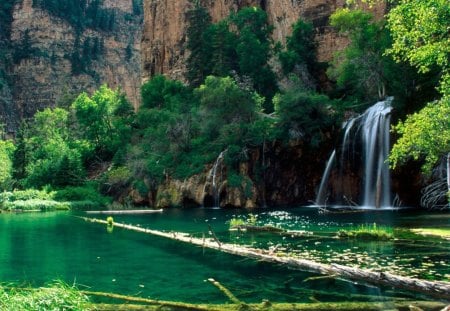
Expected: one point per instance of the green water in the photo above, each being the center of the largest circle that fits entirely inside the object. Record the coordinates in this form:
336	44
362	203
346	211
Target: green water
38	248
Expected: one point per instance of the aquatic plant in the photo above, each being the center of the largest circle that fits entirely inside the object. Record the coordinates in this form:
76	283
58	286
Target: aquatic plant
57	296
110	221
236	222
368	231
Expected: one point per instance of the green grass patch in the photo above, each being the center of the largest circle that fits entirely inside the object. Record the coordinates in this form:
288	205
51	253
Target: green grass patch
368	232
57	296
85	197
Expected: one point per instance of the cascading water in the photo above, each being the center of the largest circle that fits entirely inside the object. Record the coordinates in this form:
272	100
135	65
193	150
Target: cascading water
371	131
212	179
322	195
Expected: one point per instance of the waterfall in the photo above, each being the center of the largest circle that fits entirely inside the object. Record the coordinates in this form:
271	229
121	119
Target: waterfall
375	131
367	134
216	192
213	181
322	194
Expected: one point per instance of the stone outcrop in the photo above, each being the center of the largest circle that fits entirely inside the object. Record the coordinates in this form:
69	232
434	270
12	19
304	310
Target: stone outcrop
45	79
164	33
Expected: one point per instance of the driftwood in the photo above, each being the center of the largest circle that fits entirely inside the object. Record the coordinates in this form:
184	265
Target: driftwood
121	212
250	228
225	291
438	289
326	306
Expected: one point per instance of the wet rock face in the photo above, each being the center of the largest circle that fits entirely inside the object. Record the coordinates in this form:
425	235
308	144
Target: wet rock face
164	33
45	78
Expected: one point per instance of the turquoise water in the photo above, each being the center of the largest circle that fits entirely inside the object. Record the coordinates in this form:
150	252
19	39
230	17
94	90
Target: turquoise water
38	248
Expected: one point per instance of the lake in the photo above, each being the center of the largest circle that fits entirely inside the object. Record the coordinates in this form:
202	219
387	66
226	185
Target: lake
37	248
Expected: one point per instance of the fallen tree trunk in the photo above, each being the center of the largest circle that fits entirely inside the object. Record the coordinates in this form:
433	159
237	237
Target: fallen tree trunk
438	289
321	306
126	212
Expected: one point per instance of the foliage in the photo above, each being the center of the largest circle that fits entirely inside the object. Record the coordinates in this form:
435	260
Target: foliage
425	134
80	14
197	63
36	205
24	195
51	157
86	194
300	48
6	8
57	296
253	48
368	232
421	37
6	168
238	45
24	48
303	115
83	54
103	121
362	70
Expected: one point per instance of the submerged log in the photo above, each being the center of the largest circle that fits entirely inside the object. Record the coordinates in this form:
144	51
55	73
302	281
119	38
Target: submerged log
120	212
438	289
250	228
320	306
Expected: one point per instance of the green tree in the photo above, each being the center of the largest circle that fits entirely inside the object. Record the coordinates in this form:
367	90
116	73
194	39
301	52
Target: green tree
253	48
6	169
300	48
222	103
53	158
223	43
362	68
103	121
420	31
198	62
424	135
303	115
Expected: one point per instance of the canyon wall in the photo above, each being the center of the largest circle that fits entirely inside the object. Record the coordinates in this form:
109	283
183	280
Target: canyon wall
45	78
164	33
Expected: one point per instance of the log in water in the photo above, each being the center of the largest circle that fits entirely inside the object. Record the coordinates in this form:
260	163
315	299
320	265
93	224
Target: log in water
438	289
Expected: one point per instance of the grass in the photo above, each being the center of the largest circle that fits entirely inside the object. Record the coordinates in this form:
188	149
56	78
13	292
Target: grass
47	200
57	296
368	232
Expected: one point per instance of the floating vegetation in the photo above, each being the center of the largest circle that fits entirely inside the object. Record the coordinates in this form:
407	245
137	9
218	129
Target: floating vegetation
57	296
368	232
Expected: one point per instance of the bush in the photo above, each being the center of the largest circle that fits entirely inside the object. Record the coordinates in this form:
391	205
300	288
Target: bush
36	204
81	196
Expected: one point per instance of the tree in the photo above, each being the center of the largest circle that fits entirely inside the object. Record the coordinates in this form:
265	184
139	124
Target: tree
6	169
199	61
253	48
53	157
361	68
223	102
303	115
300	48
103	121
420	31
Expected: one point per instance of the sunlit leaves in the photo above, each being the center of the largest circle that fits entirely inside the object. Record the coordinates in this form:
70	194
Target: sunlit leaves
421	35
425	134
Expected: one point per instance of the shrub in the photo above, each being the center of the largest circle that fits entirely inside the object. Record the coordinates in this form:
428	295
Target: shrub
83	196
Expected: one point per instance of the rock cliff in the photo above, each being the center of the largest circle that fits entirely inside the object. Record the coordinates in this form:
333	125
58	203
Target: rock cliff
45	77
164	32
